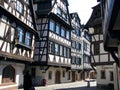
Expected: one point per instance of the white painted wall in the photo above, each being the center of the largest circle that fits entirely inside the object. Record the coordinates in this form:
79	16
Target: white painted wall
18	71
107	68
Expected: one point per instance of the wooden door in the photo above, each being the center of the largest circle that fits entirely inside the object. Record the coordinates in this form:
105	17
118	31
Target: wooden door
73	76
57	77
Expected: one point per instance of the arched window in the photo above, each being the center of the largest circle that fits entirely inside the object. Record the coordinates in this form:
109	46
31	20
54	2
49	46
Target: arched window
8	74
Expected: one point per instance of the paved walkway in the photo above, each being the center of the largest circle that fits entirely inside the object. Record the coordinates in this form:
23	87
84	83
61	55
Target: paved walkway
79	85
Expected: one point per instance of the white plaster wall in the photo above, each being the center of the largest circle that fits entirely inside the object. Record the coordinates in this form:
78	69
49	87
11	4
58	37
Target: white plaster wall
107	80
18	71
44	75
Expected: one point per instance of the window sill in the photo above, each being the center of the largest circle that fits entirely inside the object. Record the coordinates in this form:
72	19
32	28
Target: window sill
23	45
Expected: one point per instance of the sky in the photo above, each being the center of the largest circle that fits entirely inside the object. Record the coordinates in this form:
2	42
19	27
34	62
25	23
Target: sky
83	8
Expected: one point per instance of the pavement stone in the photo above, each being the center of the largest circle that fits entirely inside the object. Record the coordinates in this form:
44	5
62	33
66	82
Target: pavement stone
79	85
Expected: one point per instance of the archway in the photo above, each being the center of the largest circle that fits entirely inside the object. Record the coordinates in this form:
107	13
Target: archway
8	74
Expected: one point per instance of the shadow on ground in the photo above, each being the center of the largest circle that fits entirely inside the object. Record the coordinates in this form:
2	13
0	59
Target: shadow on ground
82	88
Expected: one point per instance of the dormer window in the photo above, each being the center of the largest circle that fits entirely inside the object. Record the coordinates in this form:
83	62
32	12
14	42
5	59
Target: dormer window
20	7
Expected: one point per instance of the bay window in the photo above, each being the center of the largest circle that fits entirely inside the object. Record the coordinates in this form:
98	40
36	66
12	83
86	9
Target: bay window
23	37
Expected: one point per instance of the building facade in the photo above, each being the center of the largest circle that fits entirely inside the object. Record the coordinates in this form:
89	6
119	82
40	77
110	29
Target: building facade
17	38
111	20
76	48
86	43
100	59
52	51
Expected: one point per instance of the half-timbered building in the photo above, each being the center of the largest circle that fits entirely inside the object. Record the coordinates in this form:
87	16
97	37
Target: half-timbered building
17	38
52	51
100	59
110	10
76	49
86	42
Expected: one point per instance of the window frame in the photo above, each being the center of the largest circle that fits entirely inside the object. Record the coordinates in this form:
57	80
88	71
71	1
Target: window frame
20	7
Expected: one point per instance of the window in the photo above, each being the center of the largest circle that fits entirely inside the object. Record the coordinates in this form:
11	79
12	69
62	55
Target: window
59	11
67	35
68	75
56	49
28	39
73	44
52	25
73	60
50	75
58	29
111	76
87	36
77	45
23	37
65	52
20	7
96	48
61	50
103	74
20	35
86	59
63	73
62	32
51	47
85	46
8	74
68	52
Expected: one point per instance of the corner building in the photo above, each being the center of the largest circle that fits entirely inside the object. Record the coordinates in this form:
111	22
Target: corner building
52	51
17	38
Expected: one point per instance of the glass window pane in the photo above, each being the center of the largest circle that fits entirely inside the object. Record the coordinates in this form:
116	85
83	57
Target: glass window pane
51	47
62	32
28	39
58	29
20	35
19	7
65	52
68	35
56	49
52	25
61	50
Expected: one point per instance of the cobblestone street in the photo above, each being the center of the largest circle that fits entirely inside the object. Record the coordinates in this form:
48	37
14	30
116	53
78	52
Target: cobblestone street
80	85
